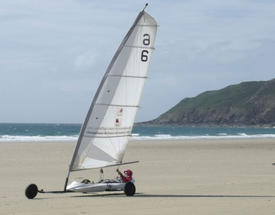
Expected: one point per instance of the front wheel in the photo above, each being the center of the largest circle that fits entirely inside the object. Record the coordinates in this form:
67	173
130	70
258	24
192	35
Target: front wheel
129	189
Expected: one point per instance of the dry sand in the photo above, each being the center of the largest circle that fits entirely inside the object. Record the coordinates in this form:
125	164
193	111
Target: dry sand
173	177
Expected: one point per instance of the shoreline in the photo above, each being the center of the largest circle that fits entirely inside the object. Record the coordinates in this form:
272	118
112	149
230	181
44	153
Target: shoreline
205	125
151	139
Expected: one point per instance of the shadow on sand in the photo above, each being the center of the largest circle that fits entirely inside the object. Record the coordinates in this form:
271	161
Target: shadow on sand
142	195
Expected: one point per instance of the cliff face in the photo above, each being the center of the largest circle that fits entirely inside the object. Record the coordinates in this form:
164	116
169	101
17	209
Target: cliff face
247	103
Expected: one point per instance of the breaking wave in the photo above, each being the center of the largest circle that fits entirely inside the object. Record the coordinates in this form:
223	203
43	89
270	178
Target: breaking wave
9	138
170	137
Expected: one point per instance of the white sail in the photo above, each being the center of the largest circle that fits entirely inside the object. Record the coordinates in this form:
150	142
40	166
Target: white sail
108	125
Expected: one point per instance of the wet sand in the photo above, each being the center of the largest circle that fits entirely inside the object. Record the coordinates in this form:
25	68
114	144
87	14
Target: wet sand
232	176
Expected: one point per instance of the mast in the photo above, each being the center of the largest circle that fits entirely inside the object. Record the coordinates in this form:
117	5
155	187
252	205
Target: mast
83	128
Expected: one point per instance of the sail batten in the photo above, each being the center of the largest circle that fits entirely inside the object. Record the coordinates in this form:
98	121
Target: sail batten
109	122
147	25
128	76
141	47
117	105
96	136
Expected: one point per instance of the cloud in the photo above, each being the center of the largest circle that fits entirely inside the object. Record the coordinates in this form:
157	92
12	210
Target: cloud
56	52
85	60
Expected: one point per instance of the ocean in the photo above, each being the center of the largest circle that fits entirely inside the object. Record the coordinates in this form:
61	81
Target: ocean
69	132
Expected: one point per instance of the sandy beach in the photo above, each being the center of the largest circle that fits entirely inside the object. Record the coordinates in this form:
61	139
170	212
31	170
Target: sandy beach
221	176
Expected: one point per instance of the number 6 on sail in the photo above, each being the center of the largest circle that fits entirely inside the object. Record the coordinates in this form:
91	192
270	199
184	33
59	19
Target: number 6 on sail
109	121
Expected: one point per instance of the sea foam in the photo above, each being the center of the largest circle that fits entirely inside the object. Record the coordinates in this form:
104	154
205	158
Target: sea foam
170	137
10	138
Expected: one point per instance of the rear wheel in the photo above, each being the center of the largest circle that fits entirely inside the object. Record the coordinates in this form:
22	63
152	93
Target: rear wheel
129	189
31	191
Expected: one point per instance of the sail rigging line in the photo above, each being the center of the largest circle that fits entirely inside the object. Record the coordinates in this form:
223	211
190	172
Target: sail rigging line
83	128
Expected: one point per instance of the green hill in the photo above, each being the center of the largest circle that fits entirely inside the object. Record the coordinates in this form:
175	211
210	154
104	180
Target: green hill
247	103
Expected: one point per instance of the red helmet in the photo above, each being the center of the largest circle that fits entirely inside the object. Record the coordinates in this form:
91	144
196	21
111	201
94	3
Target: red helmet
128	172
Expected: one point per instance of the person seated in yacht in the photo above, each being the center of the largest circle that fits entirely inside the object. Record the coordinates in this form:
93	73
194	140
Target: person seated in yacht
127	176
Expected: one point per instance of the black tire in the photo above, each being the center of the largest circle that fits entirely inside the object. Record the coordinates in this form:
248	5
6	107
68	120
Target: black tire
31	191
129	189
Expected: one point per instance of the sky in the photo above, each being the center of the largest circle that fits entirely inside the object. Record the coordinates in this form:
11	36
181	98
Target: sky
53	54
